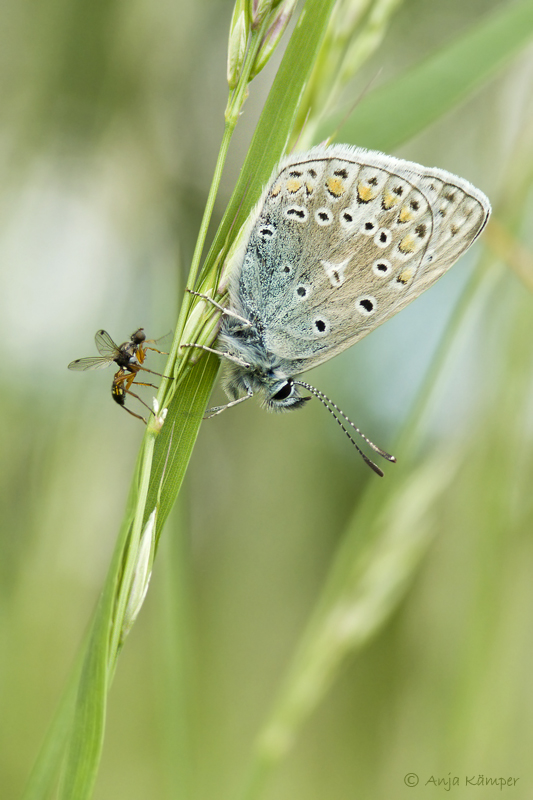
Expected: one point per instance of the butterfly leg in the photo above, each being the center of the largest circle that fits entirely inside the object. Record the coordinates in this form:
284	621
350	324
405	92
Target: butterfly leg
212	412
225	311
235	359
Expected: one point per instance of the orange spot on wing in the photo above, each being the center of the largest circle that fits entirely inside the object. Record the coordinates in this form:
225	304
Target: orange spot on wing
335	186
405	276
293	184
407	245
390	200
365	192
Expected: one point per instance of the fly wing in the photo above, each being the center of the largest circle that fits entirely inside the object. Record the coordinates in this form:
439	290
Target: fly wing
105	345
92	362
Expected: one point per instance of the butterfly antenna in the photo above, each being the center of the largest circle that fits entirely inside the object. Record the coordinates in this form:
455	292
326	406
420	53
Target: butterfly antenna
363	455
336	412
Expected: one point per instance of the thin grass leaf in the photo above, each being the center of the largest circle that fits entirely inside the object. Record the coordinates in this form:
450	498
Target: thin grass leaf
99	659
85	745
400	109
45	771
183	422
79	706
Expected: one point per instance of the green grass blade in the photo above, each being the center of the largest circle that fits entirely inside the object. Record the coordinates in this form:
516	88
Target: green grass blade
87	733
175	443
397	111
45	772
85	746
76	733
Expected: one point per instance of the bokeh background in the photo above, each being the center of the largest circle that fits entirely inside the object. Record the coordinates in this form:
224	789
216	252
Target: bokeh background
112	114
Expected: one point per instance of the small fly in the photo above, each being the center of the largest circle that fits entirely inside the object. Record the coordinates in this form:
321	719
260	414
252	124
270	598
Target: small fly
129	357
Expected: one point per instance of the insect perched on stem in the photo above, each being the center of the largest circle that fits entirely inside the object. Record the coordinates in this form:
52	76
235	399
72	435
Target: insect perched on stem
129	357
341	239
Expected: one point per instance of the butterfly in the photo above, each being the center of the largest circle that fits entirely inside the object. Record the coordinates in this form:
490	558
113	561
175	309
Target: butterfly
341	239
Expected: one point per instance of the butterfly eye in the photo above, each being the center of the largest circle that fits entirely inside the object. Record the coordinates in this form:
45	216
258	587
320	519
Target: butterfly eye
284	392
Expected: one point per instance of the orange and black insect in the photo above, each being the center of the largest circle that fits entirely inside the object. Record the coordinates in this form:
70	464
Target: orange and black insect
129	356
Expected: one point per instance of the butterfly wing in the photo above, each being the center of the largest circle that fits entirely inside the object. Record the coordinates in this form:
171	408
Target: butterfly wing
344	238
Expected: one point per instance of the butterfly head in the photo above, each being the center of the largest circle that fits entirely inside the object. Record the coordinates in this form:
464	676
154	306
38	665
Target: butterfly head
276	393
282	394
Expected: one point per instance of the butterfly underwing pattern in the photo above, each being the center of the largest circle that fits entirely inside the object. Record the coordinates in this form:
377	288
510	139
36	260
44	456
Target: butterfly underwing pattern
341	239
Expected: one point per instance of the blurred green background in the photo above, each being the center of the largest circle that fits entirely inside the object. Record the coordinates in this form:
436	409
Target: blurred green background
112	117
